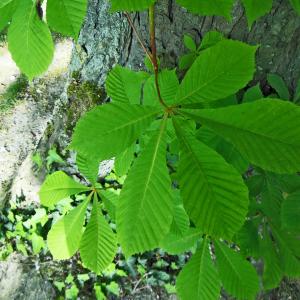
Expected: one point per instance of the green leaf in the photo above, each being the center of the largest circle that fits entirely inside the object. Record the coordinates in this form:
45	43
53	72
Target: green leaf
58	186
218	72
248	240
176	244
209	7
189	43
29	40
199	278
297	94
256	9
227	150
5	2
7	9
168	83
187	60
66	16
124	160
145	211
98	244
110	129
210	39
238	276
290	212
64	237
110	200
289	252
215	197
272	271
89	167
130	5
252	94
296	5
125	85
266	132
279	85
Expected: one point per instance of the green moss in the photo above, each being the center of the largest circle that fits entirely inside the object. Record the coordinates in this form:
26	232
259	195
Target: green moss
13	93
83	95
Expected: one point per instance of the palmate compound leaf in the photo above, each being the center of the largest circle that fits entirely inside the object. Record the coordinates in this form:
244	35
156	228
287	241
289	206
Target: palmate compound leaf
66	16
218	72
98	244
29	40
64	237
215	196
266	132
256	9
199	278
125	85
238	276
209	7
130	5
145	210
110	129
58	186
7	9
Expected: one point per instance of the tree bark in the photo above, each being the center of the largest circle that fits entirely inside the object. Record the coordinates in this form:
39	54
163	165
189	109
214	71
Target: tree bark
107	39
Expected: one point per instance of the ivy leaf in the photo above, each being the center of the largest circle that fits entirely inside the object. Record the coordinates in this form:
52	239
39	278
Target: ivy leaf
256	9
296	5
125	85
238	276
124	160
64	237
218	72
279	85
199	278
29	40
130	5
290	212
98	244
110	129
209	7
58	186
145	210
266	132
7	9
66	16
215	197
168	83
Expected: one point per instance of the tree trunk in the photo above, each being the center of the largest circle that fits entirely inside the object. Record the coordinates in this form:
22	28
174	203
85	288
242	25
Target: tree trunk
106	39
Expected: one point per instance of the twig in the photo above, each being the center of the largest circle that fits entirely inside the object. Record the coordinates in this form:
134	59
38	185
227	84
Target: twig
137	35
154	53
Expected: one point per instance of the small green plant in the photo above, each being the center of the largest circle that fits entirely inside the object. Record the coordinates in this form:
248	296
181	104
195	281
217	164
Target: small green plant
201	172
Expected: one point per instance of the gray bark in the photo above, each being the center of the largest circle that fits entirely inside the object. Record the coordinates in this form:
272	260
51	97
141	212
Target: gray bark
106	39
